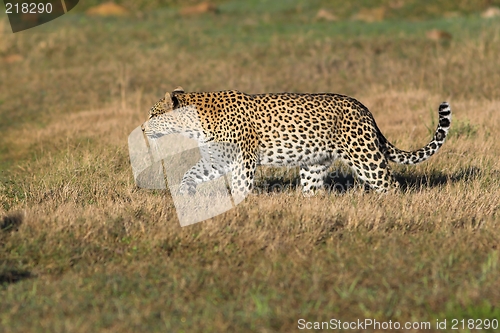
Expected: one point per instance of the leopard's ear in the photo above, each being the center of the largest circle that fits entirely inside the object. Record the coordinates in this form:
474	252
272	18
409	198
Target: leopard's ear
175	101
169	103
178	90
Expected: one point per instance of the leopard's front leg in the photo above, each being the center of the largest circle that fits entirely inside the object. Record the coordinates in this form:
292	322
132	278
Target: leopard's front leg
242	176
202	171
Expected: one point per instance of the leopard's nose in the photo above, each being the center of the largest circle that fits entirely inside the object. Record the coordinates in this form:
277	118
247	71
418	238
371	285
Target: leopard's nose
143	127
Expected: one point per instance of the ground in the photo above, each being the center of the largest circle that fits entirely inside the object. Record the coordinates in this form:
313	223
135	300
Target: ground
84	250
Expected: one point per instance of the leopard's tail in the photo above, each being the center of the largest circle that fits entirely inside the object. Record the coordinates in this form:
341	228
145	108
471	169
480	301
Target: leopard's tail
413	157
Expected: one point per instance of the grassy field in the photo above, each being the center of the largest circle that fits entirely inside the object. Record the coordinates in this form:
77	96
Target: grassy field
82	249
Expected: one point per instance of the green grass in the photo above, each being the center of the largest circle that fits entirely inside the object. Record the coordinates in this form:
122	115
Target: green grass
84	250
275	290
407	9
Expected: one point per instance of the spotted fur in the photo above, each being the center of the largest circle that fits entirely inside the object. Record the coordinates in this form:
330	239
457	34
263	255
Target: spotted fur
241	131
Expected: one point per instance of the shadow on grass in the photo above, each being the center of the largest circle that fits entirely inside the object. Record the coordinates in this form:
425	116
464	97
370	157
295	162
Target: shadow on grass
342	183
11	222
418	182
335	184
10	276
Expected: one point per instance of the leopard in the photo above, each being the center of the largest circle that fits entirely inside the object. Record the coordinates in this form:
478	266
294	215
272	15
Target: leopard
237	132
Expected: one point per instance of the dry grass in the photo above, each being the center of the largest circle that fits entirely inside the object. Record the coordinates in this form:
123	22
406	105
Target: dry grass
88	251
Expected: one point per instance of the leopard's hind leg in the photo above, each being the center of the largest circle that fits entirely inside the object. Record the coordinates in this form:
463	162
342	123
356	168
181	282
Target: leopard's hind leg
372	168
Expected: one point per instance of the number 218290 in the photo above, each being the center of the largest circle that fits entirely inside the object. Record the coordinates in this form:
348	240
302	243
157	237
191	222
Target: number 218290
472	324
28	8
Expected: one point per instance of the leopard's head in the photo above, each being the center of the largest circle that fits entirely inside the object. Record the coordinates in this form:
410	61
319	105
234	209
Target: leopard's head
169	115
